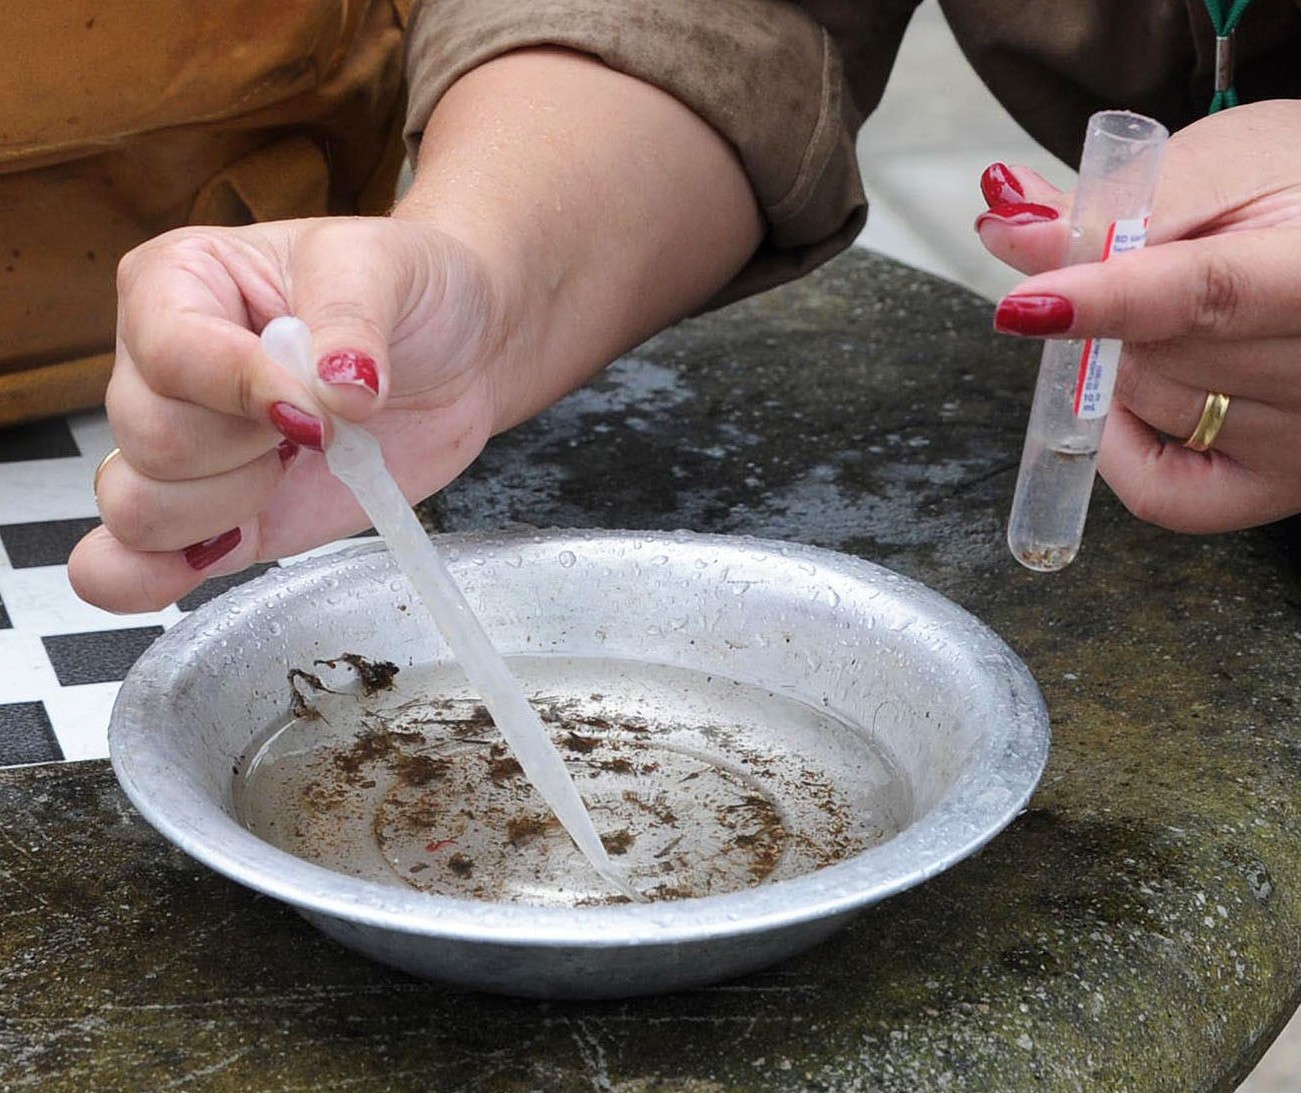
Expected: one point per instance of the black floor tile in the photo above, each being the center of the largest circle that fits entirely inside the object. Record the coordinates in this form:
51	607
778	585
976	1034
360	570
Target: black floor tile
26	735
214	587
48	542
98	657
37	440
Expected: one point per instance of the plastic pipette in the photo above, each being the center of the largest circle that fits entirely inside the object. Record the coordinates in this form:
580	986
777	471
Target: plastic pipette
1118	172
354	458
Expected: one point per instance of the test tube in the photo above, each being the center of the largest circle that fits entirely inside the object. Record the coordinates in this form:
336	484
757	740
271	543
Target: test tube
1118	172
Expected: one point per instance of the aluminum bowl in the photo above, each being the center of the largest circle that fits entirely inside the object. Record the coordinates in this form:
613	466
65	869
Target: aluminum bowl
952	711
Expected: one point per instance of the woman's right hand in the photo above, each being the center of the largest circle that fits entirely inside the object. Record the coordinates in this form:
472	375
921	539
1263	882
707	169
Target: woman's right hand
219	460
561	213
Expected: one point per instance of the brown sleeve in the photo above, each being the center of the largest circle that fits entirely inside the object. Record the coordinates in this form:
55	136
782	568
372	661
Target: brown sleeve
765	74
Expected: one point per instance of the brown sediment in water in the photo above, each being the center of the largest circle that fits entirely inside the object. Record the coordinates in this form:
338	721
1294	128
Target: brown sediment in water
502	766
318	797
523	829
617	842
422	817
420	770
662	812
476	720
367	748
450	811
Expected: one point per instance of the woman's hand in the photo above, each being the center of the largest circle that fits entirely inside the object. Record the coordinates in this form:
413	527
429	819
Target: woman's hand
561	213
219	462
1212	304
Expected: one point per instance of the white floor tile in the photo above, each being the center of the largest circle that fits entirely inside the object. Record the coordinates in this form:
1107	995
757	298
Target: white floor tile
26	675
41	601
46	489
79	717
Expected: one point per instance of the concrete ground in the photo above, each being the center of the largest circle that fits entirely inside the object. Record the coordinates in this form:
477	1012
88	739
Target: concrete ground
922	154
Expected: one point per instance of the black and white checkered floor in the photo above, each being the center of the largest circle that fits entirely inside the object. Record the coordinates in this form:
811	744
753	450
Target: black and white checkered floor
61	660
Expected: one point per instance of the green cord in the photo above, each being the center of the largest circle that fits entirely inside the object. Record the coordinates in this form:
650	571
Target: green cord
1222	100
1225	25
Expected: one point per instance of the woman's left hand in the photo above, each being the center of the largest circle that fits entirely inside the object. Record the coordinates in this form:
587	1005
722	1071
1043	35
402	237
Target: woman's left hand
1213	304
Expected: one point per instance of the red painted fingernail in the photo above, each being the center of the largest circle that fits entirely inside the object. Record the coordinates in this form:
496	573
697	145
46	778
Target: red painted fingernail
349	367
287	450
297	426
1018	212
1000	186
201	555
1034	316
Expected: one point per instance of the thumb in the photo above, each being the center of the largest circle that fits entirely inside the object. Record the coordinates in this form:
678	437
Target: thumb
346	280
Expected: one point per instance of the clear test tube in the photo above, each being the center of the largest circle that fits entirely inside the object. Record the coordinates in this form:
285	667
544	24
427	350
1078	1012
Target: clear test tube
1118	173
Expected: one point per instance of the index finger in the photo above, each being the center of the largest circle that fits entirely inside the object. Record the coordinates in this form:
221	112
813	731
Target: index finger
1242	284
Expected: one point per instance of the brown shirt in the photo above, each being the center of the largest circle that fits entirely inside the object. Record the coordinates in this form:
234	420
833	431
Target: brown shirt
789	84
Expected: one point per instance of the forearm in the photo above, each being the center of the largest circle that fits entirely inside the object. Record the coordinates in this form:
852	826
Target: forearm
603	208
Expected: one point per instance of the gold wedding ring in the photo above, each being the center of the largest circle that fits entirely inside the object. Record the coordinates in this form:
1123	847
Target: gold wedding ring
1209	424
94	482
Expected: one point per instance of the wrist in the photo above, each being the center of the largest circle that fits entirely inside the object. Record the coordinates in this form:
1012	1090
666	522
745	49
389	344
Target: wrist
599	208
483	274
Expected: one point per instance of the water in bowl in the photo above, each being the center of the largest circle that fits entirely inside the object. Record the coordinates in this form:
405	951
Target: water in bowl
697	784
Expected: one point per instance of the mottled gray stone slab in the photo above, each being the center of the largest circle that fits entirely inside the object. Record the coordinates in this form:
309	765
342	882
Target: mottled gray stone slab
1138	928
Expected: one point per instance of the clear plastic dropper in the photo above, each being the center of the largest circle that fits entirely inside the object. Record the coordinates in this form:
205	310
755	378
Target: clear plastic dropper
1118	173
355	459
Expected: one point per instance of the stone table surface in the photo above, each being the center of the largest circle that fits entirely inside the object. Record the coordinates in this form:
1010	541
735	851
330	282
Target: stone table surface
1138	927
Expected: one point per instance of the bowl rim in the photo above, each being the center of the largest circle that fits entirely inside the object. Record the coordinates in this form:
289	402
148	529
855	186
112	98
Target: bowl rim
972	811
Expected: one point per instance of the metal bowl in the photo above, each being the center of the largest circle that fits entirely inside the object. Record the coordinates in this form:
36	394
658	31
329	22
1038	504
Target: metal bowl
820	731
